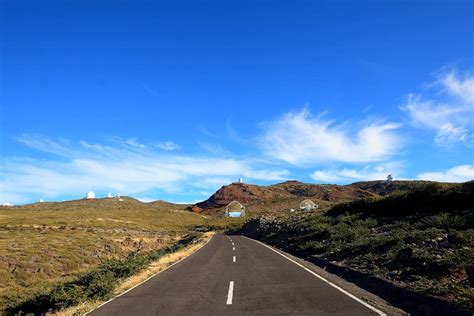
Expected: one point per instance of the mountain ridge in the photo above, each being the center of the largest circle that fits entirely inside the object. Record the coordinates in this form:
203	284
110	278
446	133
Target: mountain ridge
286	194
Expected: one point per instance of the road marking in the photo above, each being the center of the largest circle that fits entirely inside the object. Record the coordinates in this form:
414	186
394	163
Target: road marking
230	293
233	259
233	248
323	279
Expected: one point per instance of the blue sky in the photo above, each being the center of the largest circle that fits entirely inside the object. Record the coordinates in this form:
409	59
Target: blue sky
173	99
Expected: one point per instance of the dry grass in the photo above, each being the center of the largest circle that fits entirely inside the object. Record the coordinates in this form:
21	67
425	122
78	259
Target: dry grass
161	264
43	243
155	268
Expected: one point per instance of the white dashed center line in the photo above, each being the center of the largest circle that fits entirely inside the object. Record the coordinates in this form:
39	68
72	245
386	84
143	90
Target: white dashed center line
233	259
233	248
230	293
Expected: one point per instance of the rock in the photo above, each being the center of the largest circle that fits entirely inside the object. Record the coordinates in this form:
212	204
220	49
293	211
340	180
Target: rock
196	209
470	273
405	254
392	274
443	244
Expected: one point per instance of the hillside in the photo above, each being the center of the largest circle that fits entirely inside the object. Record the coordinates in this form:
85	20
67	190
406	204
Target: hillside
42	244
421	240
289	194
45	243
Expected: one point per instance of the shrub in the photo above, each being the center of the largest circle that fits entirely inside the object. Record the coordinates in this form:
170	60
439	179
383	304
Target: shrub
98	283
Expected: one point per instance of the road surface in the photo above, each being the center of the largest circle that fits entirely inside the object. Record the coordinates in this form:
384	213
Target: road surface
234	275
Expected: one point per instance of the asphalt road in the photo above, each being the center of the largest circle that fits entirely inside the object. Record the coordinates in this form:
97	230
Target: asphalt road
259	282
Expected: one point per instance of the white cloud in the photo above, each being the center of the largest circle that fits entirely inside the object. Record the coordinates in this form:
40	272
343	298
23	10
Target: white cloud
301	139
127	167
462	88
456	174
215	149
272	175
449	112
346	175
60	146
207	132
169	145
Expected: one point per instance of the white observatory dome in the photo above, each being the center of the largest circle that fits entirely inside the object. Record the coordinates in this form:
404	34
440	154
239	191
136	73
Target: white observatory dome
90	195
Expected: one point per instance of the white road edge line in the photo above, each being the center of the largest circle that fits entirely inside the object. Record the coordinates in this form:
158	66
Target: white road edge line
323	279
230	293
233	259
152	276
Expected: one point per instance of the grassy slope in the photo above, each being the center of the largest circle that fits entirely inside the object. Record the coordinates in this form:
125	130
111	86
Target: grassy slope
97	284
422	239
43	243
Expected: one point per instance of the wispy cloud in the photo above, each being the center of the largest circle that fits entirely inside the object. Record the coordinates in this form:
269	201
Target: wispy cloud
300	138
215	149
346	175
169	145
235	136
207	132
271	175
123	165
460	173
60	146
449	111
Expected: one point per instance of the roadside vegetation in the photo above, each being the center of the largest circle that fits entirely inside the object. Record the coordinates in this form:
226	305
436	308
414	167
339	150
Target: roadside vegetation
43	246
423	239
96	284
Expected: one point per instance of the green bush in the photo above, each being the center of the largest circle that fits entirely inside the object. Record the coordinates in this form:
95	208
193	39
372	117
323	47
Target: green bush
431	198
98	283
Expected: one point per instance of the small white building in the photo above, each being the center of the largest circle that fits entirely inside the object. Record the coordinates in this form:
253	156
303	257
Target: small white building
235	209
90	195
308	205
241	180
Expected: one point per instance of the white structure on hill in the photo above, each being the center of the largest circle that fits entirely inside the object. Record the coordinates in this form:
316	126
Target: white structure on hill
110	195
90	195
308	205
41	200
241	180
235	209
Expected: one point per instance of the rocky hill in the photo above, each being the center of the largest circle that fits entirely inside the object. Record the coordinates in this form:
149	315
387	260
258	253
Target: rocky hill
421	240
288	194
